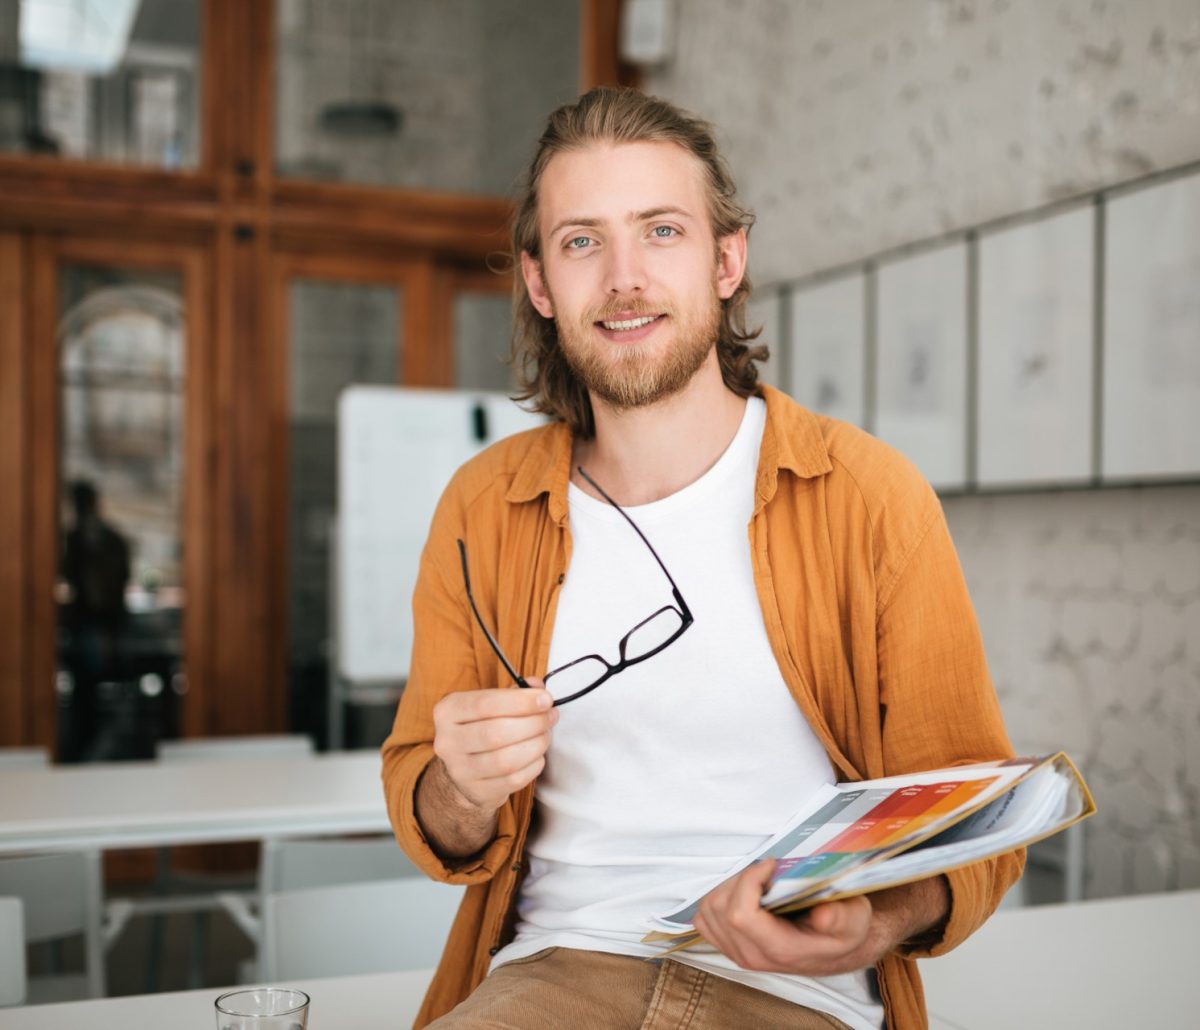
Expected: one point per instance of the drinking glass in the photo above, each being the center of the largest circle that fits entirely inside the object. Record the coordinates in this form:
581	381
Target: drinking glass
263	1008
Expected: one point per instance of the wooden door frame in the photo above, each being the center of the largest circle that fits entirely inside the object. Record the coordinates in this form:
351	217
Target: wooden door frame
16	717
411	277
50	256
235	212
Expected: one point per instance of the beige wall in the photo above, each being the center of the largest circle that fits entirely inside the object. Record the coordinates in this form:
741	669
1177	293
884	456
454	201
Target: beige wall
859	125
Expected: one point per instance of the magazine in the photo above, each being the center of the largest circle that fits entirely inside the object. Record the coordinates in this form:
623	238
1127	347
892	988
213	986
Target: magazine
853	838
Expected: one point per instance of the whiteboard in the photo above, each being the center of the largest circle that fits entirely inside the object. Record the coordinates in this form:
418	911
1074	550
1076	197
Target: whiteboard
397	449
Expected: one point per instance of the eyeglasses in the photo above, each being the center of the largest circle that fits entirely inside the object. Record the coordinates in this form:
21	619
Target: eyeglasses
645	640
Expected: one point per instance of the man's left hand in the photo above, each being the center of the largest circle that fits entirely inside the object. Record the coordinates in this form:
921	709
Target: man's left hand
831	938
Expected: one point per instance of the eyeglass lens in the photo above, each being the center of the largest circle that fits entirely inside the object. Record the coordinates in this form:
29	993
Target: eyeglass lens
641	642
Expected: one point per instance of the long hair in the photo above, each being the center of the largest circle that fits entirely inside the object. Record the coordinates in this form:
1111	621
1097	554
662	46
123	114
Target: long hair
608	115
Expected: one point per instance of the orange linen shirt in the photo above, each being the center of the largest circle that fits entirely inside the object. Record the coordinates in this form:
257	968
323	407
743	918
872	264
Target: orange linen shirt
865	608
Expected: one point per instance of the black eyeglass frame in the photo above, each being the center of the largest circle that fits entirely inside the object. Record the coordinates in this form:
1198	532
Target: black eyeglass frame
680	607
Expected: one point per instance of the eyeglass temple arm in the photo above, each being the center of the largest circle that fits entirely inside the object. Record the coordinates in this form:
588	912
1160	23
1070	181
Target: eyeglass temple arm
670	579
517	678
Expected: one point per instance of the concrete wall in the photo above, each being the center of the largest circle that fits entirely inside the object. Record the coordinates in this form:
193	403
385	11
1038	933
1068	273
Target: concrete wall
858	125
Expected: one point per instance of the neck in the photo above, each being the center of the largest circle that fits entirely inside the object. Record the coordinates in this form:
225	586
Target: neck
641	455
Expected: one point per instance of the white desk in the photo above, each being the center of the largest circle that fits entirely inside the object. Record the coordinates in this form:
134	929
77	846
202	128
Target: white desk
140	804
379	1001
1117	963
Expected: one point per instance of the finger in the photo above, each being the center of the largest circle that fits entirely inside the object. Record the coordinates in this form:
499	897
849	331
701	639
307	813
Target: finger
475	705
720	897
485	736
743	907
507	760
734	945
845	920
502	786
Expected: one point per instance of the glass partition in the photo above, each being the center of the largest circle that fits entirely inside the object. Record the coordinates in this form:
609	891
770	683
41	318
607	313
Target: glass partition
443	96
341	333
482	341
107	80
122	344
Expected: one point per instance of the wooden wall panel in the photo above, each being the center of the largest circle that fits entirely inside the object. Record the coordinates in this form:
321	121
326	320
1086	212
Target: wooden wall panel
244	691
199	466
15	724
599	42
42	454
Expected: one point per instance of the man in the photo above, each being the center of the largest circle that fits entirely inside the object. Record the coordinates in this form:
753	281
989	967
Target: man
95	564
775	605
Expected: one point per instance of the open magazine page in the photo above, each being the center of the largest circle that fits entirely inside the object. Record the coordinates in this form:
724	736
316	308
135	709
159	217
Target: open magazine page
853	825
1046	800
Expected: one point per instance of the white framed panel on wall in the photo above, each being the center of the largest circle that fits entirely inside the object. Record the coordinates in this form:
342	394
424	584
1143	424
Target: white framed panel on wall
921	363
1036	351
1152	332
827	347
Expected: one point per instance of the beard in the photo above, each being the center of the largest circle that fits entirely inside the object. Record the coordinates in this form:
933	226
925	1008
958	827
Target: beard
634	375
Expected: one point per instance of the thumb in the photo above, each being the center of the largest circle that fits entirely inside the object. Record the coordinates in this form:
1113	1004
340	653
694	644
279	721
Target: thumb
761	873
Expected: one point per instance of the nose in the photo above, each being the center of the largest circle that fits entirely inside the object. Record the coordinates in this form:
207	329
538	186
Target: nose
626	271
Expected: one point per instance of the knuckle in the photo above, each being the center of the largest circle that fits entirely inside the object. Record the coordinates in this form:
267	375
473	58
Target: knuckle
738	919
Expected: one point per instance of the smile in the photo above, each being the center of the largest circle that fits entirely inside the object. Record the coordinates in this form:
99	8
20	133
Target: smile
629	323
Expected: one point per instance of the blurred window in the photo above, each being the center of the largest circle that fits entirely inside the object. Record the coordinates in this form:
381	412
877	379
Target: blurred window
122	349
441	96
101	80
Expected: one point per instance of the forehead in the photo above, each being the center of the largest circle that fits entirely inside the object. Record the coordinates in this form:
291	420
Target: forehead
614	181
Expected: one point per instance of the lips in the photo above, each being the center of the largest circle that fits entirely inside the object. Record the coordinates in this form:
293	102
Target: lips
628	328
624	325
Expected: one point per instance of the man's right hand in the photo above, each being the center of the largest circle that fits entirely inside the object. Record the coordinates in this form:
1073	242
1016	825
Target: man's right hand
489	744
493	742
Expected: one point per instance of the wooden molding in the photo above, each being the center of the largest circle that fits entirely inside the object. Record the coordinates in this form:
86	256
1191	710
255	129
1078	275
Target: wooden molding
599	47
15	724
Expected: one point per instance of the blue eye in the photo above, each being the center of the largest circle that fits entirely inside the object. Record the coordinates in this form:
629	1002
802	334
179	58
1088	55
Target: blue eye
579	242
663	231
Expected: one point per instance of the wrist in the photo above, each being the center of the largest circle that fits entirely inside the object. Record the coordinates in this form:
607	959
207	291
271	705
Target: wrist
456	827
912	916
454	795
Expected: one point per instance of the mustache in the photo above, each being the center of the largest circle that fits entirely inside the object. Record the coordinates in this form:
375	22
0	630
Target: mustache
624	308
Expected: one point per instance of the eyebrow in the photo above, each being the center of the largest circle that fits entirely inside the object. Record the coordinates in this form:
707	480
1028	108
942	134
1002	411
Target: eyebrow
636	216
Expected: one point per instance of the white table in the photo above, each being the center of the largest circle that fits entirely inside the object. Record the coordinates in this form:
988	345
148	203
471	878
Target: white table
378	1001
140	804
1117	963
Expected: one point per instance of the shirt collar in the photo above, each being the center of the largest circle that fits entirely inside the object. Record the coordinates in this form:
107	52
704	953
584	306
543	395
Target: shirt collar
792	440
545	469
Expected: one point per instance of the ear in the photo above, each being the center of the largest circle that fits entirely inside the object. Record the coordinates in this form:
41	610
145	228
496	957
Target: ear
731	263
535	285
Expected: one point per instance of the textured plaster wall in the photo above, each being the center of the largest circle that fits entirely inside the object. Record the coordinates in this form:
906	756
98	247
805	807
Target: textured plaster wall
858	125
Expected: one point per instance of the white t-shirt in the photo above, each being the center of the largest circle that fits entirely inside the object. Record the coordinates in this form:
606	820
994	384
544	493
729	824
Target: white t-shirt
669	773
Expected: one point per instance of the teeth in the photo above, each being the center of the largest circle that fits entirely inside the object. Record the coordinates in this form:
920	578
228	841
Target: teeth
630	323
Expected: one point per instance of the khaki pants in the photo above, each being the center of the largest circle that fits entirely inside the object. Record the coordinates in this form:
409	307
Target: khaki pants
588	990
